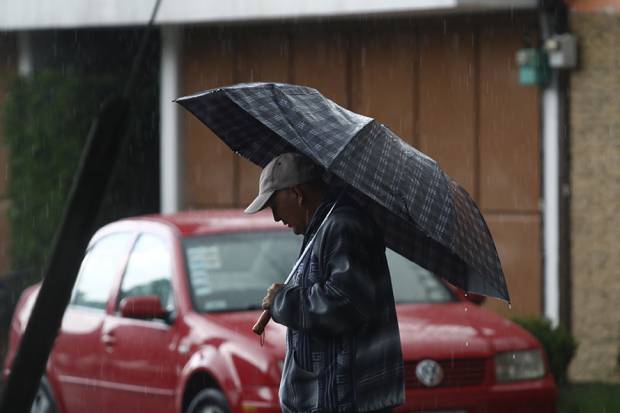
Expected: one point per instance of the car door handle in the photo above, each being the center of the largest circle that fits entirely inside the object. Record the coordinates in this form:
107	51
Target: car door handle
108	339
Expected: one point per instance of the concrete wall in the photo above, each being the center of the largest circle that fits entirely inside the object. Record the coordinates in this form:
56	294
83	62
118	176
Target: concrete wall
8	61
595	185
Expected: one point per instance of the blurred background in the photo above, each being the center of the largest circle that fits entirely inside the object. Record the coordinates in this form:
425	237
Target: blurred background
517	100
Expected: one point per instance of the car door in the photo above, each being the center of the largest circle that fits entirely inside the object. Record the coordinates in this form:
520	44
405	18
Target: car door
76	360
141	362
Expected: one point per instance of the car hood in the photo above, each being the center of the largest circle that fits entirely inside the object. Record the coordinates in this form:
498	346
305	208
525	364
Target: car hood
455	329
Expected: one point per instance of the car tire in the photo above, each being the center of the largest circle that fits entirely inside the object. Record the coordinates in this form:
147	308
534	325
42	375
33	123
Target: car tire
44	400
209	401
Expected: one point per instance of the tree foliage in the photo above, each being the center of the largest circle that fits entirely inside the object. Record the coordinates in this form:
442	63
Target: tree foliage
46	121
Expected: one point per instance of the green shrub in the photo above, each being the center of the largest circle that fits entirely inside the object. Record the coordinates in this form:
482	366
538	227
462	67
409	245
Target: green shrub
46	121
558	343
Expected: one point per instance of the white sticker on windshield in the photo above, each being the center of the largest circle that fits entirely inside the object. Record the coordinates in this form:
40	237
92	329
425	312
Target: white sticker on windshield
215	305
205	257
202	260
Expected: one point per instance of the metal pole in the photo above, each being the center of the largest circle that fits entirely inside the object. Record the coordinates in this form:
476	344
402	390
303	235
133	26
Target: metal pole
171	177
553	20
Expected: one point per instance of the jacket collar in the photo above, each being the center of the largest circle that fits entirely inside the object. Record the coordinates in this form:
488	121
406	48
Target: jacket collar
319	215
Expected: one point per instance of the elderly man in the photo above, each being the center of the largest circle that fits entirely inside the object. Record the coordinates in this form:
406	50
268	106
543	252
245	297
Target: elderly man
343	345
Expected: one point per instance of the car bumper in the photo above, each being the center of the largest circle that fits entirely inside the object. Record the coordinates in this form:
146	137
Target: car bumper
520	397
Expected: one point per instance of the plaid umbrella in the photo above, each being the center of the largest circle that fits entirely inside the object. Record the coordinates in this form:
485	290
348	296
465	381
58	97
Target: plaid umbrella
426	216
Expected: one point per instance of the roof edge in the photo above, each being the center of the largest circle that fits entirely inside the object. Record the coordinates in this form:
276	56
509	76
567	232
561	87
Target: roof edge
16	15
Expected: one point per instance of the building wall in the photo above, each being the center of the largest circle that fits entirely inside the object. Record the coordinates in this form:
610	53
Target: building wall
447	86
595	6
8	58
595	194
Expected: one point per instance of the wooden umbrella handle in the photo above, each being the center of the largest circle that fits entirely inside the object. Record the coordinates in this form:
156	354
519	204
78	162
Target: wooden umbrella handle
262	322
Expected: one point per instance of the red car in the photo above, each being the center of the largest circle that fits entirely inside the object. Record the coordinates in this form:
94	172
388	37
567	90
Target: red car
160	321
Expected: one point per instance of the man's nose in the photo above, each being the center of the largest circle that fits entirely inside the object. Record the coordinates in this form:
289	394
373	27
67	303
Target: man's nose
275	216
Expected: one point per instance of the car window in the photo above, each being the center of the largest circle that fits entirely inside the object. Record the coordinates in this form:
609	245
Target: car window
413	284
99	268
232	271
149	271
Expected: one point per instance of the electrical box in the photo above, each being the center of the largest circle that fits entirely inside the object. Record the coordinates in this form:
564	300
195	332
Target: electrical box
533	67
562	51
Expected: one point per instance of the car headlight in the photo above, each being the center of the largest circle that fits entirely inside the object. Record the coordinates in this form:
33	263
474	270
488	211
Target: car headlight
519	365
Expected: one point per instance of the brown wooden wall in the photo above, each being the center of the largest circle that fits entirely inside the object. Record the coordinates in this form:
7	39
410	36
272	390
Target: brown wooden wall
446	86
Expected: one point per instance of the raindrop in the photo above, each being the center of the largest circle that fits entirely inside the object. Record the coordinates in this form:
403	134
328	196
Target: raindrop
510	306
467	344
466	309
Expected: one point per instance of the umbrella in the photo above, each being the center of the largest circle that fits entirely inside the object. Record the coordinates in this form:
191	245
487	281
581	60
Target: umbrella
426	216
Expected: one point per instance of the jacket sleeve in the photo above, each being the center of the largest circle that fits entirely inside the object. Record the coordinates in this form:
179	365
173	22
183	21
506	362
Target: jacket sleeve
346	296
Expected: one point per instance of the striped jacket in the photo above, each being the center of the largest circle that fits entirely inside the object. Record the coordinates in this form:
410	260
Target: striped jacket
343	350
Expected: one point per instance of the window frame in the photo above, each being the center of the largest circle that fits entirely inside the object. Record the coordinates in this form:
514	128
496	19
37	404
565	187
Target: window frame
114	284
172	314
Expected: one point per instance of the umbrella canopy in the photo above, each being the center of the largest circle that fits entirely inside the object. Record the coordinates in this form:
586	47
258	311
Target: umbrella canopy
426	216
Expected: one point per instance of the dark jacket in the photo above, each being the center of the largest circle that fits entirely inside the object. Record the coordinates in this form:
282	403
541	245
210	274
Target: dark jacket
343	345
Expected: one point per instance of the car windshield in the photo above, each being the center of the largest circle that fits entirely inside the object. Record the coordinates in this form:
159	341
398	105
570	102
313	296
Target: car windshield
231	272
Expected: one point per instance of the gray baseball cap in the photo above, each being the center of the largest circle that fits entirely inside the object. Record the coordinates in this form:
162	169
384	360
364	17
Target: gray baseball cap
284	171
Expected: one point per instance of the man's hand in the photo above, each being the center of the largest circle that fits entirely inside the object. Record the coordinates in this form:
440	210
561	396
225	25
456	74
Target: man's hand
271	293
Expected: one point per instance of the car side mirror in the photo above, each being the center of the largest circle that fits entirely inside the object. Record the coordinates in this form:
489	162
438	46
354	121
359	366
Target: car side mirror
143	307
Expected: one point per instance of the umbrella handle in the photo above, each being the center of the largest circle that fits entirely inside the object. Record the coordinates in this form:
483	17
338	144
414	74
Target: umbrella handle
261	323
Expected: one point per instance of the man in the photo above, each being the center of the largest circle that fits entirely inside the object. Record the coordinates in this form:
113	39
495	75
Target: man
343	345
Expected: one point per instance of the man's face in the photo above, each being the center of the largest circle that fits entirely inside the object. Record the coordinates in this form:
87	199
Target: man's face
286	206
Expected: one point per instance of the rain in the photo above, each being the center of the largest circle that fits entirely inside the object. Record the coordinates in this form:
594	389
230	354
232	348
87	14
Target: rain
476	142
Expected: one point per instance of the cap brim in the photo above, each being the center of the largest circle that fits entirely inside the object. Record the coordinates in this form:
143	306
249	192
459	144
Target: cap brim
259	203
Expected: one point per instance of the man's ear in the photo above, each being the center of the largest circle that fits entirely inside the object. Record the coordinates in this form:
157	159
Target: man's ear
299	193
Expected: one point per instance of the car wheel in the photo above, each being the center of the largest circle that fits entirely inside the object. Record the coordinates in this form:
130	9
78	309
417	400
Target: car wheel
208	401
43	401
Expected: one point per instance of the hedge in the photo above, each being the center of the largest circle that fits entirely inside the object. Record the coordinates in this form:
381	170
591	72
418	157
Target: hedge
46	120
558	343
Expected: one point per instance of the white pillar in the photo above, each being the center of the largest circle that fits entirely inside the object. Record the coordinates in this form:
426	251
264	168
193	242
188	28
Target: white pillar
171	148
551	185
24	54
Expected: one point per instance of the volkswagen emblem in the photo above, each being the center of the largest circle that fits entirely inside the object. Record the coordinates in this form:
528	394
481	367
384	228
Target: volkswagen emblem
429	372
